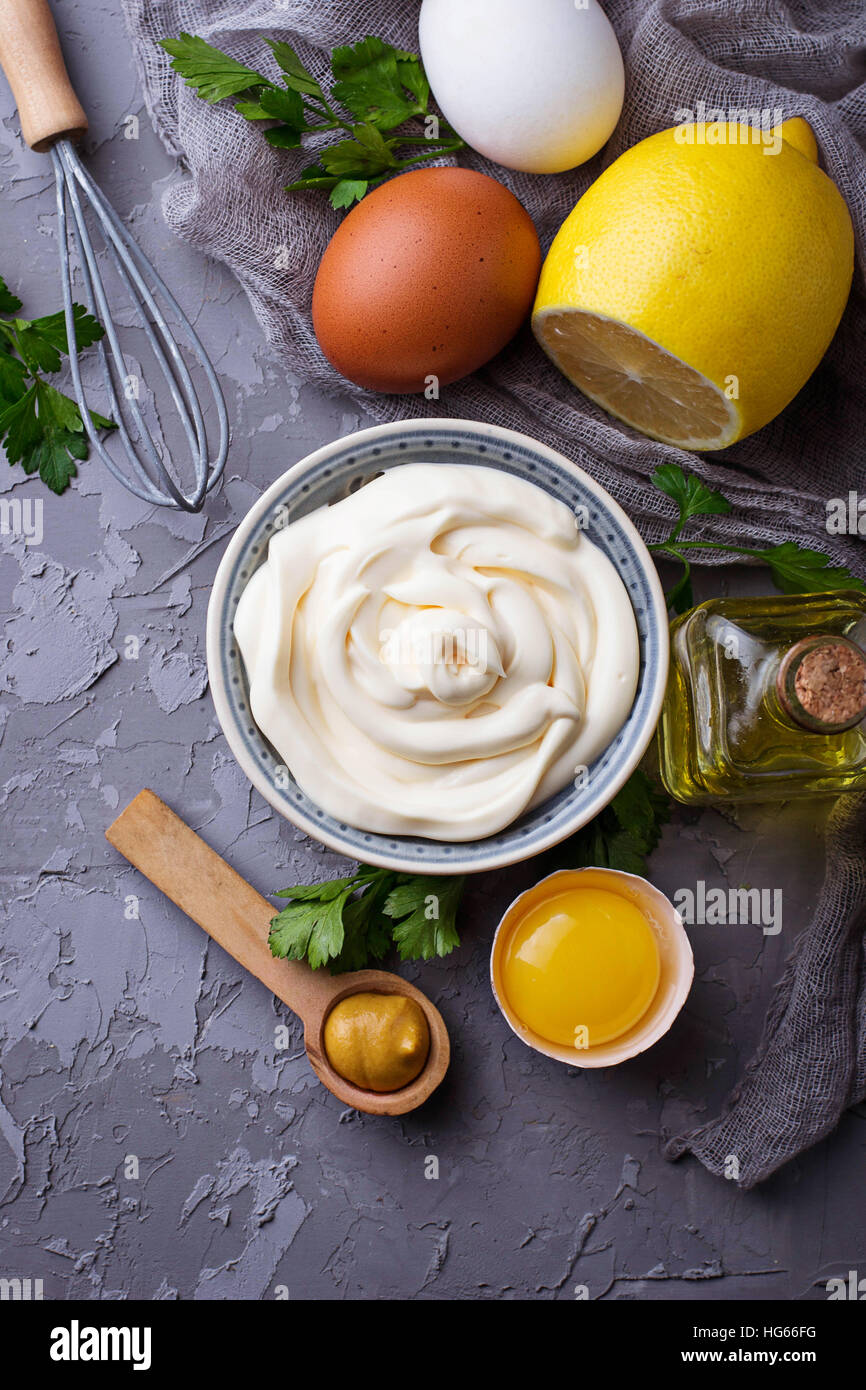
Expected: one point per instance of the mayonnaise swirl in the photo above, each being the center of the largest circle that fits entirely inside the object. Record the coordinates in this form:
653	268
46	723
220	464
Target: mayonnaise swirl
439	652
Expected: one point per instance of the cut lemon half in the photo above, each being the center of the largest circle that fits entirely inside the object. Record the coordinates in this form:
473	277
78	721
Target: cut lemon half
636	380
698	282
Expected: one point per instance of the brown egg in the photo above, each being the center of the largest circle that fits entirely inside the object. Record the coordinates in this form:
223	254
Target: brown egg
429	276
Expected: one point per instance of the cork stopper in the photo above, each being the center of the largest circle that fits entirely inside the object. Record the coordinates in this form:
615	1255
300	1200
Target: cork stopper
822	683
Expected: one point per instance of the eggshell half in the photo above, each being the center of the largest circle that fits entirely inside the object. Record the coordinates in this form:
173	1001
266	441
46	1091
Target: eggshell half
428	277
675	953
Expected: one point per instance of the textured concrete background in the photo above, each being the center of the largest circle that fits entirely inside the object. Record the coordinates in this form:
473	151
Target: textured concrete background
123	1038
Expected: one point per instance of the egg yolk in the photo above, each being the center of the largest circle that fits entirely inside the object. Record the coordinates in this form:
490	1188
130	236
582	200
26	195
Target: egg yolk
581	968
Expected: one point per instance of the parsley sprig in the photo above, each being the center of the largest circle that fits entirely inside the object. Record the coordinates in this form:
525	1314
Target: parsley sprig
626	832
346	922
40	427
795	569
376	89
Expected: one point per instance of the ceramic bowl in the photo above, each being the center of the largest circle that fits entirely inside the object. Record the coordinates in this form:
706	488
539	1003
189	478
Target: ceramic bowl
675	953
332	473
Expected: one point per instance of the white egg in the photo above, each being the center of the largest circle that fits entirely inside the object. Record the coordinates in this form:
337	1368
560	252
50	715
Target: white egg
532	84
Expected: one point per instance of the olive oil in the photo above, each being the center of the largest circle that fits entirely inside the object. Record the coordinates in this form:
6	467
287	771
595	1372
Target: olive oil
766	699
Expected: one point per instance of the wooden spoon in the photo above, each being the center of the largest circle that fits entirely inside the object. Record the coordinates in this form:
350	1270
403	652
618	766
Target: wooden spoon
194	876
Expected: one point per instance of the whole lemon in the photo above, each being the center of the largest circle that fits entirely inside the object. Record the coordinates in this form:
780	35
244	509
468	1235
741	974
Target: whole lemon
379	1042
698	282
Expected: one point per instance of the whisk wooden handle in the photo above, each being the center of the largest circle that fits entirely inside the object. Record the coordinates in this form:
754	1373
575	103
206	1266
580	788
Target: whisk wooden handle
31	59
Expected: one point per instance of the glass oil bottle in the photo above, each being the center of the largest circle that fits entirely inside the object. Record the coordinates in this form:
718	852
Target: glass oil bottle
766	699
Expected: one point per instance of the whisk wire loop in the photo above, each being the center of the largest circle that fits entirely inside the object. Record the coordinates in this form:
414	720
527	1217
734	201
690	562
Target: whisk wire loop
148	477
185	403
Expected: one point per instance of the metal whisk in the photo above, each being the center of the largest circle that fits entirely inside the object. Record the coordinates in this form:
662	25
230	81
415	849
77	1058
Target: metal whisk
51	119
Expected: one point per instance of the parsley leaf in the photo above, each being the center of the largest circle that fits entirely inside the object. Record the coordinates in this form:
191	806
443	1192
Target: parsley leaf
9	302
295	75
691	495
413	76
372	84
368	153
795	569
345	192
627	830
346	922
41	428
39	342
424	911
366	933
13	377
45	434
799	571
284	105
322	892
376	88
19	422
311	927
212	74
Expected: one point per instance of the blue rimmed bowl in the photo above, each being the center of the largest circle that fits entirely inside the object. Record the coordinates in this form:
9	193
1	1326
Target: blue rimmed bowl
339	469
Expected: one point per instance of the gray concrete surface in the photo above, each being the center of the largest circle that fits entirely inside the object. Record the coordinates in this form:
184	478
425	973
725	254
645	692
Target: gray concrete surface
154	1142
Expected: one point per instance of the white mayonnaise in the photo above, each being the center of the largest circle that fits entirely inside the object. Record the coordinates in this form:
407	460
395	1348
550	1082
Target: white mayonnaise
439	652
